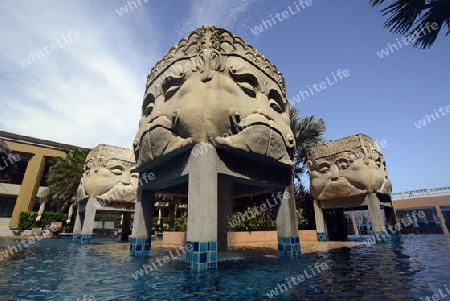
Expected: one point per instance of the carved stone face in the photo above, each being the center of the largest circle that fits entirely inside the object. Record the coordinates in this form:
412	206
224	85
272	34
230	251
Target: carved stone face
218	98
109	175
348	167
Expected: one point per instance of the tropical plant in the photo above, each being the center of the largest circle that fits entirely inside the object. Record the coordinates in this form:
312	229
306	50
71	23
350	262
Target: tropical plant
252	220
308	132
171	201
64	177
304	202
180	224
410	17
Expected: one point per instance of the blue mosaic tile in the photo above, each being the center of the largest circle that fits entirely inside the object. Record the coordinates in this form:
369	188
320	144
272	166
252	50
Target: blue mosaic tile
323	236
140	246
212	256
203	246
76	237
212	266
188	256
396	235
289	247
86	239
212	245
203	257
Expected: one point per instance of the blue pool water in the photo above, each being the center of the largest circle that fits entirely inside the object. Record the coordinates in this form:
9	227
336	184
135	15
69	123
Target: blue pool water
55	269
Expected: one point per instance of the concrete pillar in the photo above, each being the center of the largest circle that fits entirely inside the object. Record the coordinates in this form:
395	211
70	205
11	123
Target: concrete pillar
355	225
201	244
391	218
376	217
225	194
441	217
321	225
287	222
29	188
143	221
77	226
126	221
88	223
342	224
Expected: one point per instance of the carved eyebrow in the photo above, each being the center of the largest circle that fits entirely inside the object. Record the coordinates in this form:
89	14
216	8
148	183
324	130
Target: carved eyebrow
245	76
323	164
171	85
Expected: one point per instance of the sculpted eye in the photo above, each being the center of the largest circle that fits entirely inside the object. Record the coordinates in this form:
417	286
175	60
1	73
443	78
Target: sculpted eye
276	102
378	162
246	81
117	169
343	163
171	85
324	167
148	105
247	88
134	173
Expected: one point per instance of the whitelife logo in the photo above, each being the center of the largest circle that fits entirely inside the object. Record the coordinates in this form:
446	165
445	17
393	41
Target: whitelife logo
34	56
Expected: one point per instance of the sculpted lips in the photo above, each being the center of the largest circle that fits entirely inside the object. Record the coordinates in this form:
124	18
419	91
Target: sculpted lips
339	188
259	119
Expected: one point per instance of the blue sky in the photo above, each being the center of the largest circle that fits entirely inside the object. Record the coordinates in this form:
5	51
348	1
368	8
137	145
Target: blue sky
100	75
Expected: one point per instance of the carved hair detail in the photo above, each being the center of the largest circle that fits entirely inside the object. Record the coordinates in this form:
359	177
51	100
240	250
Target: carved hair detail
215	42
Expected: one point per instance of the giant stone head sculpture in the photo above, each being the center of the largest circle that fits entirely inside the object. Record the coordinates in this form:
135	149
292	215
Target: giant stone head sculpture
109	174
213	87
347	167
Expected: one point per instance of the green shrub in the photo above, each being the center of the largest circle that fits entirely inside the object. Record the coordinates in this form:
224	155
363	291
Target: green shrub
251	220
27	220
180	224
302	221
116	218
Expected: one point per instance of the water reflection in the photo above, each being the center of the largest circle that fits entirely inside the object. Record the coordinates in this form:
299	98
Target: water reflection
417	266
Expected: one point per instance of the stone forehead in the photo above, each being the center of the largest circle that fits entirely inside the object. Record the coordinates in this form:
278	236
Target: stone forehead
109	152
352	144
222	41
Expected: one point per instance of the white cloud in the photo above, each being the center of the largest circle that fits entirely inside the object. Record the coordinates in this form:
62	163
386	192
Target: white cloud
216	12
79	79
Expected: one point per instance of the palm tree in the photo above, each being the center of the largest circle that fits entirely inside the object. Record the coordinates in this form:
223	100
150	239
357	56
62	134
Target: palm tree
308	132
64	177
410	17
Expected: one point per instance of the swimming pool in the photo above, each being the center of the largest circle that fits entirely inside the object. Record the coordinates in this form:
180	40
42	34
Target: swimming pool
53	269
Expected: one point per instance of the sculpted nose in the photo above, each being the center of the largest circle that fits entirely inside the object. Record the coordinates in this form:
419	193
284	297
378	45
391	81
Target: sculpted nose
334	172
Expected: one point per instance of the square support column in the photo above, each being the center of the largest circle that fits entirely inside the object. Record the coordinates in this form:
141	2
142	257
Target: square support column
143	222
321	225
224	212
376	218
77	226
202	211
391	218
126	221
287	223
87	230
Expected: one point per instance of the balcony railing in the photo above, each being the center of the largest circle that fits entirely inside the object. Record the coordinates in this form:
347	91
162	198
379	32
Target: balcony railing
421	193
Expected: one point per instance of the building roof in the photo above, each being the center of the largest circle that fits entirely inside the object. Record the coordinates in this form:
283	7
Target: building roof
35	141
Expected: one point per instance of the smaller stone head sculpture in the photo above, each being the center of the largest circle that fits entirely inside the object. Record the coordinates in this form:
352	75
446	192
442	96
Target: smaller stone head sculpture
109	174
347	167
